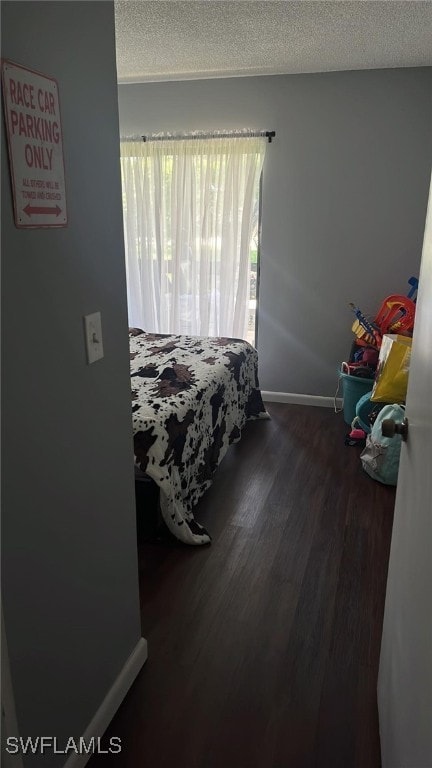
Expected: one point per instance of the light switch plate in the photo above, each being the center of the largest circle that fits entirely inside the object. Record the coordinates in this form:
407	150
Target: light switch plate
93	336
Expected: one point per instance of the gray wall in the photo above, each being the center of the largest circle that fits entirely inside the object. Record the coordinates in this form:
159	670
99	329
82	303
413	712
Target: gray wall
70	583
345	189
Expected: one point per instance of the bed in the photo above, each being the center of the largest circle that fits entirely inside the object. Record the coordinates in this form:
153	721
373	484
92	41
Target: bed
191	397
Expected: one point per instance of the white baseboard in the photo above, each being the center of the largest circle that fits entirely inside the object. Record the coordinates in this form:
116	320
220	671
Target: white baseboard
111	702
298	399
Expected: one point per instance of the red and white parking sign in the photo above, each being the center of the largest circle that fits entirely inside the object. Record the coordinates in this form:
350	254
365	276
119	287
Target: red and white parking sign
32	114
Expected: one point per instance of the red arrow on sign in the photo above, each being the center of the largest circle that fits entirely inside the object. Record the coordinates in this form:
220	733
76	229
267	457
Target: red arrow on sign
30	209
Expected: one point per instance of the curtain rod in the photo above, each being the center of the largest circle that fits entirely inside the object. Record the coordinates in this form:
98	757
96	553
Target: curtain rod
213	135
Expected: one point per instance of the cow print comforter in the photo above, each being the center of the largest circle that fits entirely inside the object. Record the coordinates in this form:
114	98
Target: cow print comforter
191	397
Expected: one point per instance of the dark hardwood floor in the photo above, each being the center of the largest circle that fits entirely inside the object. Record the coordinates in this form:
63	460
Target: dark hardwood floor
264	646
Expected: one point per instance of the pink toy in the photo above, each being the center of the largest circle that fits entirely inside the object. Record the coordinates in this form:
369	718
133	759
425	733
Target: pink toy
357	434
356	437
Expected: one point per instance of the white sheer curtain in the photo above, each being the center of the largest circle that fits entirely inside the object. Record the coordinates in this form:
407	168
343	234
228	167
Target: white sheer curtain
190	208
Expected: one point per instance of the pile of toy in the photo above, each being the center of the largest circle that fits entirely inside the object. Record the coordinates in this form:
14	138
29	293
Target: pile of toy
376	372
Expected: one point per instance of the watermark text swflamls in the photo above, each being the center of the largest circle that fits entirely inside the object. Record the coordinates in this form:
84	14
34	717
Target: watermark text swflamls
39	745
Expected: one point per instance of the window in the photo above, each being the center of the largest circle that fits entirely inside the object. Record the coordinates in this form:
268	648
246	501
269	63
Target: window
191	234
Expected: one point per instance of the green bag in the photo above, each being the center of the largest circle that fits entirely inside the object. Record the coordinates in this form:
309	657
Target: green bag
380	457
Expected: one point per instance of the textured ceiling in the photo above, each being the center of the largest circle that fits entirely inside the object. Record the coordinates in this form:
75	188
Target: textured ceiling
167	40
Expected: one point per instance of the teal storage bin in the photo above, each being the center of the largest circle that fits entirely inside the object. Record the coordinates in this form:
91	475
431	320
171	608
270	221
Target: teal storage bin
353	388
364	408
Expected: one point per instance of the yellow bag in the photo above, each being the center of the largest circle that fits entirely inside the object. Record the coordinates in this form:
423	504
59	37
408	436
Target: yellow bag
391	381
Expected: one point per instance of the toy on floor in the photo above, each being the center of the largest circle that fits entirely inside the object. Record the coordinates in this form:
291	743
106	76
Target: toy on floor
356	437
367	333
412	293
359	370
396	314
